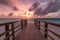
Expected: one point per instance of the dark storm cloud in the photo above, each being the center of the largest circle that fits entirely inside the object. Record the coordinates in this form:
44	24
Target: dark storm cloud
38	11
53	6
34	6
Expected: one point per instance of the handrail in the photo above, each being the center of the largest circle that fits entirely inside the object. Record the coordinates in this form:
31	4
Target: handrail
7	30
57	25
38	23
8	23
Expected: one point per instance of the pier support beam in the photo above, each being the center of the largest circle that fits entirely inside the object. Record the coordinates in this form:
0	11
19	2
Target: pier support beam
13	34
46	26
7	29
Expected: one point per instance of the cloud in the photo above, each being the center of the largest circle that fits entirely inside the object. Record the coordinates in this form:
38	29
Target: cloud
15	8
5	2
9	3
10	14
53	15
28	1
39	8
44	0
52	6
38	11
34	6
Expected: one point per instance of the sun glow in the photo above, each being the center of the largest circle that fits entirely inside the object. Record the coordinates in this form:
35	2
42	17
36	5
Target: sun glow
28	15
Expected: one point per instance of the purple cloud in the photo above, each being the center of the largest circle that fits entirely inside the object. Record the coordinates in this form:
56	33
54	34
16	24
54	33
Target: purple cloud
53	6
34	6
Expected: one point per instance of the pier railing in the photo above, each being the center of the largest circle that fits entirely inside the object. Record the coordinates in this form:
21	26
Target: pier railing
45	26
8	30
36	22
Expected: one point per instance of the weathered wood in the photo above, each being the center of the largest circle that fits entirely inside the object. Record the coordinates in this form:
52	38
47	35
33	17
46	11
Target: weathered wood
7	37
51	31
1	24
47	34
30	33
23	24
13	34
39	25
5	32
17	30
46	25
7	29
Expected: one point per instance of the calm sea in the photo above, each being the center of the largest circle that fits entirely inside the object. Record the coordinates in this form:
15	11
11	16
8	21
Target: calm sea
51	27
54	21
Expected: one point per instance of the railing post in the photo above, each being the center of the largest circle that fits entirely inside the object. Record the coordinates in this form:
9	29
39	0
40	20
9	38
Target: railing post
22	24
46	26
25	23
39	25
7	29
35	23
13	34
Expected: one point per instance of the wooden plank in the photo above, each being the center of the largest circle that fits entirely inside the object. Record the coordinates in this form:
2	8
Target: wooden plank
46	26
30	33
7	29
13	34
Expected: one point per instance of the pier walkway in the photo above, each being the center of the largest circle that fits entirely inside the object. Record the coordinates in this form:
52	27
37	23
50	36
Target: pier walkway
24	30
30	33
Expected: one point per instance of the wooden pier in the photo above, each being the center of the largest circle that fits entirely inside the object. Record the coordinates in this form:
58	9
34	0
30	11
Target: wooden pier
28	31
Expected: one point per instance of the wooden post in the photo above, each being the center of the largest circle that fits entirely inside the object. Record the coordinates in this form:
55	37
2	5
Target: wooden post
39	25
25	23
13	34
22	24
7	29
35	22
46	26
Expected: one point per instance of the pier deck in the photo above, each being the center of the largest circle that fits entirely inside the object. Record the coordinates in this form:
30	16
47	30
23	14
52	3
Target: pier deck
31	32
28	31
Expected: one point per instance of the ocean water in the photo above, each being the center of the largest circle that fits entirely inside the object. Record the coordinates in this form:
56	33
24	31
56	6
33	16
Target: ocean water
54	21
51	27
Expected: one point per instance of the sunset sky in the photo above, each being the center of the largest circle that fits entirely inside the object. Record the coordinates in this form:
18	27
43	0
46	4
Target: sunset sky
18	8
